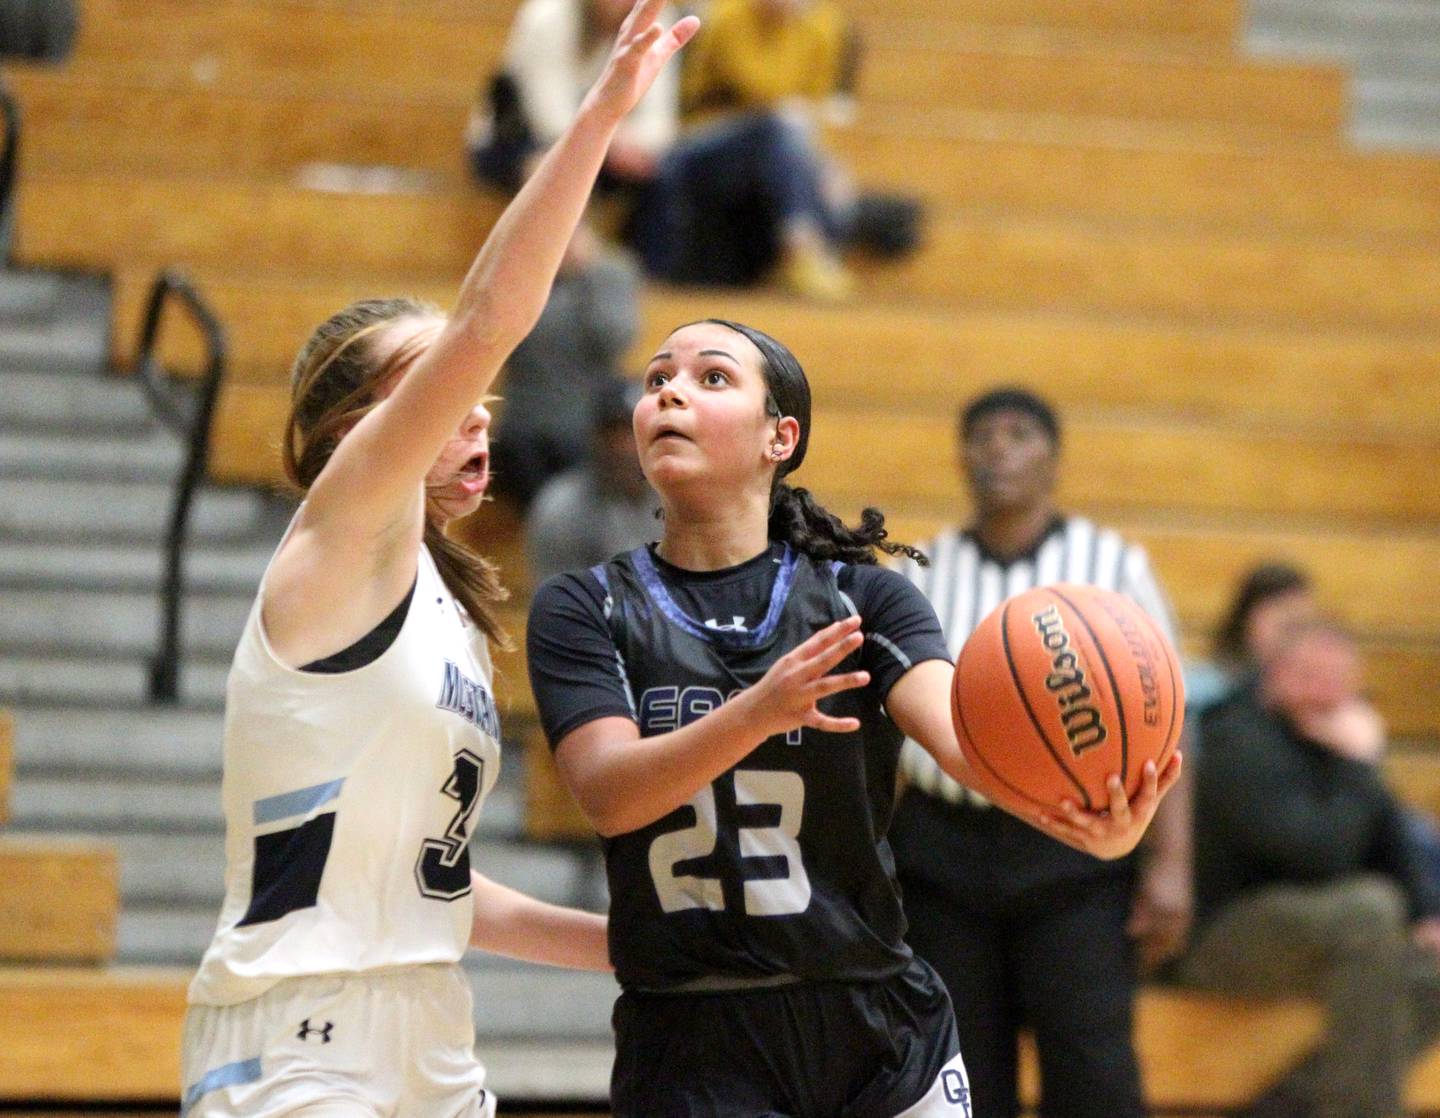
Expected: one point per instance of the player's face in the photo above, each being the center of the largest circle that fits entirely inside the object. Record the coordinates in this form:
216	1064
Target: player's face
1009	462
702	416
456	483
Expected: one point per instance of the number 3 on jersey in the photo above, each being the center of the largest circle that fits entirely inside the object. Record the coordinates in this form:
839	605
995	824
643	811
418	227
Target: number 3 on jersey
774	896
443	869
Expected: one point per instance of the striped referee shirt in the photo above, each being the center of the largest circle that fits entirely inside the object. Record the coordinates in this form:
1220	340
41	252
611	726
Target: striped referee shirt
964	583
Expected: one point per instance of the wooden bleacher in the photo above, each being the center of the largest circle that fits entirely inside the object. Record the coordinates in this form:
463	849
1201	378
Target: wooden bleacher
59	898
60	901
902	461
434	56
70	221
986	261
148	125
1212	24
1293	100
81	1034
1364	381
1026	261
1235	310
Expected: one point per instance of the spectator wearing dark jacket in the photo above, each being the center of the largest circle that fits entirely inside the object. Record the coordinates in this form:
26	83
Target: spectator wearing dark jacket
1306	881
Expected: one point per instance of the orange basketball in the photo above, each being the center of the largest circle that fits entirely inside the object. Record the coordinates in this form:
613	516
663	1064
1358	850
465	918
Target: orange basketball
1060	687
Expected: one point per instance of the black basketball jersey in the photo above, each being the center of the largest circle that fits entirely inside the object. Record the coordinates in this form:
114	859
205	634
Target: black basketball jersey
779	868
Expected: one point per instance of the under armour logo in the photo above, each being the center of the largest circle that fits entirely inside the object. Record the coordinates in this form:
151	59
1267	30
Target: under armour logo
306	1032
956	1090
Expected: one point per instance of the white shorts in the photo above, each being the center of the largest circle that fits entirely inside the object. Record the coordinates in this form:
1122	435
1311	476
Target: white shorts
388	1044
948	1097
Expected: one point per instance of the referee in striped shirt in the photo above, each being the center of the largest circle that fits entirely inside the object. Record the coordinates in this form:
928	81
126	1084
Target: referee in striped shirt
1025	931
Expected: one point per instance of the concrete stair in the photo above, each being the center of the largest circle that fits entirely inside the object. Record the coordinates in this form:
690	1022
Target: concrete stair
1392	48
83	512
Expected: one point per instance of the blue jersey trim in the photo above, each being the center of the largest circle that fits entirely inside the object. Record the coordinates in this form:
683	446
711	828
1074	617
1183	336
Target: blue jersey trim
300	802
227	1075
660	595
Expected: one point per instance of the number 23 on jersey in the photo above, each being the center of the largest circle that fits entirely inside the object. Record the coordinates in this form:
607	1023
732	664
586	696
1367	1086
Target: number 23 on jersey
782	895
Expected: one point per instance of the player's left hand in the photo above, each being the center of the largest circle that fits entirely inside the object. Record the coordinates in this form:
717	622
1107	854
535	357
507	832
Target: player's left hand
1117	830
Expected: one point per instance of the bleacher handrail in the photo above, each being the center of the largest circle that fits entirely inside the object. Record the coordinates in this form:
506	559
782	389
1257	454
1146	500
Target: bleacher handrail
9	161
189	411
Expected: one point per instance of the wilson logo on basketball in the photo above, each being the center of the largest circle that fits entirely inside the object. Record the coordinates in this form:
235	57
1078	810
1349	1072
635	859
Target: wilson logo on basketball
1066	681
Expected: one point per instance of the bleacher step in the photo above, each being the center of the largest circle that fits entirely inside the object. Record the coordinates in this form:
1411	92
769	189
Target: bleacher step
175	740
91	1034
1392	114
75	799
28	296
45	399
52	321
61	348
41	678
118	622
95	564
44	505
156	457
59	901
1297	27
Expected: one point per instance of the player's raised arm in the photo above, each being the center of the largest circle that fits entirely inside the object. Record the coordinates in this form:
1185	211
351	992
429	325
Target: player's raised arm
372	479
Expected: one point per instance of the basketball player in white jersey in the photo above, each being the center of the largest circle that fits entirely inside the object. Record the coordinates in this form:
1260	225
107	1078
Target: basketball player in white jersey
360	731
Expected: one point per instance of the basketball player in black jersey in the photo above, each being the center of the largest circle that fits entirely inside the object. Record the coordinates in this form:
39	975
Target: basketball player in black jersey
727	707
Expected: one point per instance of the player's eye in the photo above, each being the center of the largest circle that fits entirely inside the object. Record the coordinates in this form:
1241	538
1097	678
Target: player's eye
656	379
715	377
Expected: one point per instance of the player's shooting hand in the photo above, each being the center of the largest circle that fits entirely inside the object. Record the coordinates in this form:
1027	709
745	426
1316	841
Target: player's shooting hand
1117	830
788	694
642	47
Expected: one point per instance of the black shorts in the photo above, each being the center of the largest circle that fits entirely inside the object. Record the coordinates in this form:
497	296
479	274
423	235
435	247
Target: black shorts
807	1050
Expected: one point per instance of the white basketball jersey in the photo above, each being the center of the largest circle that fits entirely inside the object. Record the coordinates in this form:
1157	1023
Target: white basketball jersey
349	799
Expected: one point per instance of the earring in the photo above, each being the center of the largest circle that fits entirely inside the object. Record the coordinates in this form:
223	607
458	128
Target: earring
776	451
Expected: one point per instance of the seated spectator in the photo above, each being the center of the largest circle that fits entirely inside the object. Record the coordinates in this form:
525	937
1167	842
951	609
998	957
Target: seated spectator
1306	883
552	378
1270	598
555	51
597	510
747	187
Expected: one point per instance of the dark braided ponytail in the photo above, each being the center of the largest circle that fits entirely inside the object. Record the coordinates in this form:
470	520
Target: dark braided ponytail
796	517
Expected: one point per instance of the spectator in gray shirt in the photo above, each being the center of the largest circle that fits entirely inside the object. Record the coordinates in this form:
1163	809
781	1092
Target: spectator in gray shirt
552	379
592	512
1307	881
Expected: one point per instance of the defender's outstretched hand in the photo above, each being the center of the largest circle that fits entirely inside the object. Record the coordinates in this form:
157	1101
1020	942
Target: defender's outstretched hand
642	47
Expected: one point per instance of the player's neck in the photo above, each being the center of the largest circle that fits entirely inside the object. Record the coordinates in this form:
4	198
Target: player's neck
713	540
1008	533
